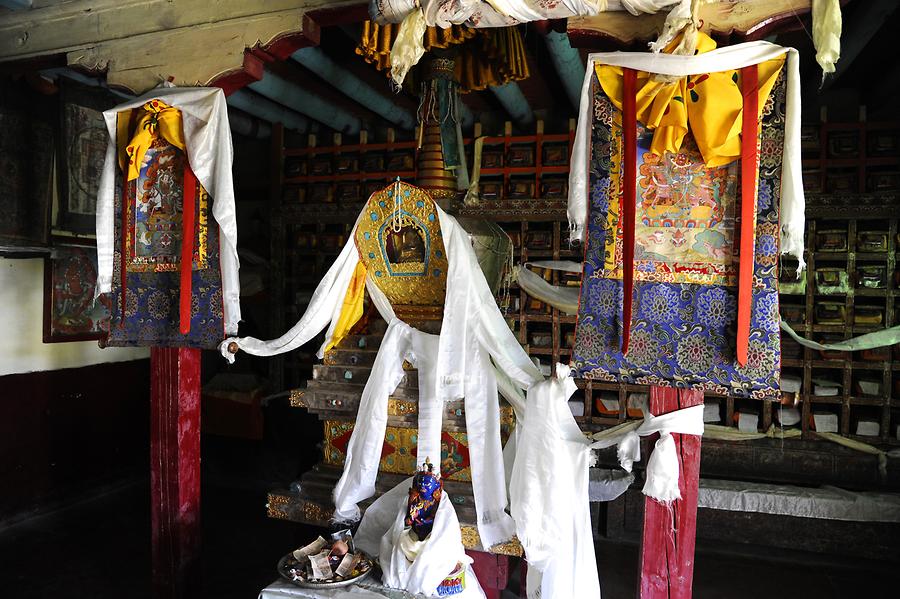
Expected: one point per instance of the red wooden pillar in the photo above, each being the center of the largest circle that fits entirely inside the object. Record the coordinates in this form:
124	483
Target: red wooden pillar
175	470
491	570
667	543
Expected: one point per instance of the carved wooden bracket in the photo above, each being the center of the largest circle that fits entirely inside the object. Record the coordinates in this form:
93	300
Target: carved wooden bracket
256	58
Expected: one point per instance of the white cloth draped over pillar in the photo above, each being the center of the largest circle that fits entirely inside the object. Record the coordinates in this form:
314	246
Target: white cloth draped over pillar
207	138
661	477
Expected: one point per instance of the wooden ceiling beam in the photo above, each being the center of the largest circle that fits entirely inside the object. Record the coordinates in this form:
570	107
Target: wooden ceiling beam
340	43
297	74
745	20
141	42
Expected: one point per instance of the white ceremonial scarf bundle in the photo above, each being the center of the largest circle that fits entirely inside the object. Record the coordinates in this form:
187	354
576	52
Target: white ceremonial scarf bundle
475	343
381	533
549	494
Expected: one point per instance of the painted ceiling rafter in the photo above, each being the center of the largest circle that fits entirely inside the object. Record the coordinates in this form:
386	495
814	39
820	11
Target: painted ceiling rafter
248	125
567	63
341	42
514	103
16	4
298	98
272	112
322	88
352	86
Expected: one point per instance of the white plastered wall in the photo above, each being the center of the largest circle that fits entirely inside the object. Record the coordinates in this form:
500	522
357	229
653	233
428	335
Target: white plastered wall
21	322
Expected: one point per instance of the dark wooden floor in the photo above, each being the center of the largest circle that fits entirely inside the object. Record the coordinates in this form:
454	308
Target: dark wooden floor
100	547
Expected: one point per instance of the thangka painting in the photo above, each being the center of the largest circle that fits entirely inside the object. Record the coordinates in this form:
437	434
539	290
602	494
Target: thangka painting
145	301
70	313
82	149
686	257
26	166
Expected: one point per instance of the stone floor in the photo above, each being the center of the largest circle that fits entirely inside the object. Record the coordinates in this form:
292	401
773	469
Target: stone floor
100	547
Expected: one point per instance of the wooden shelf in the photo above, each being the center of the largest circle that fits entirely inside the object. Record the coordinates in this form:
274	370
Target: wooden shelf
350	148
356	176
525	170
548	216
819	161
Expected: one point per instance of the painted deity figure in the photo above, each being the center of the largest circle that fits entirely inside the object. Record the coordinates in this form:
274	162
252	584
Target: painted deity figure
407	246
424	496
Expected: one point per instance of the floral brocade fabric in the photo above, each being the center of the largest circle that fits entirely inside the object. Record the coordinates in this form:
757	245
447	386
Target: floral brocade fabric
152	246
687	240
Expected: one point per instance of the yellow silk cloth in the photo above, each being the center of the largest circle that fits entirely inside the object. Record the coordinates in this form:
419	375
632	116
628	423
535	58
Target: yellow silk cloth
155	118
486	56
710	104
352	310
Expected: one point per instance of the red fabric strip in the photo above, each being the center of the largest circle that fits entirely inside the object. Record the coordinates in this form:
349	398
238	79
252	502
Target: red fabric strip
749	174
187	248
128	198
629	178
127	205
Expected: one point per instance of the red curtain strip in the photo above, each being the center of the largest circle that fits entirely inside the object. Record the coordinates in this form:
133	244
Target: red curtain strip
749	174
628	200
127	202
188	218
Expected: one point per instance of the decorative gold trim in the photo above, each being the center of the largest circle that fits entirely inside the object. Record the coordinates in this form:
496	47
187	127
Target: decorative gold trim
315	513
398	219
472	540
202	226
276	506
297	398
402	460
409	313
402	407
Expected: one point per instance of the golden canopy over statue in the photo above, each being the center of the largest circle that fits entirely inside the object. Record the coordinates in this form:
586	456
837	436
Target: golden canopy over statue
400	243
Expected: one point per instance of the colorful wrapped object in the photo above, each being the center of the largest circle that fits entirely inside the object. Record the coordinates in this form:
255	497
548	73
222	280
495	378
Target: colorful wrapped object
424	496
158	221
682	242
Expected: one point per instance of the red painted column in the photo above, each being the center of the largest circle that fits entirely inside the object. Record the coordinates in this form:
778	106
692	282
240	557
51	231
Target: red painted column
175	470
667	543
491	570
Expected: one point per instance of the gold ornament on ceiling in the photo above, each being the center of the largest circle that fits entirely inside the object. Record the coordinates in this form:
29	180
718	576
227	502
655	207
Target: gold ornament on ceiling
486	56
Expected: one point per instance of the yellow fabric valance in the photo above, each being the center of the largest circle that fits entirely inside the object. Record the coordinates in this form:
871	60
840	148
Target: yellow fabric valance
155	118
486	56
709	104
